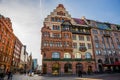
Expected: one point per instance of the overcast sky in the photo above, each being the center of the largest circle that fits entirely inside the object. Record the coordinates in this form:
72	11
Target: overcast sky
27	16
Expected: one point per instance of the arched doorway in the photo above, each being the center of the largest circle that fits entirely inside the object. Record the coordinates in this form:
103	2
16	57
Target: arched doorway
68	68
100	65
79	67
100	68
44	68
90	69
55	68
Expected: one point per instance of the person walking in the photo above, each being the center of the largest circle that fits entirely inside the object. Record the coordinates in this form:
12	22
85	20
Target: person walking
2	75
9	75
80	73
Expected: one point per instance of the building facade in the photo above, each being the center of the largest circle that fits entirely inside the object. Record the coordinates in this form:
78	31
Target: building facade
66	44
7	40
106	38
34	64
16	55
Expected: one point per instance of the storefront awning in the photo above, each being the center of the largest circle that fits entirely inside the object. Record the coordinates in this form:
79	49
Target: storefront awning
115	64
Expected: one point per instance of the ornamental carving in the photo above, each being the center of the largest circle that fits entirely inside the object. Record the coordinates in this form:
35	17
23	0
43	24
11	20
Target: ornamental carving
83	49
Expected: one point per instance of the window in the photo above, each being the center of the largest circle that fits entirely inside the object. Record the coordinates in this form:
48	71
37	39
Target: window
45	43
75	45
58	44
87	55
56	27
55	55
117	39
56	35
87	31
52	19
61	13
82	44
3	41
74	37
111	61
81	38
62	20
88	38
97	52
109	52
107	39
118	46
105	52
66	36
67	55
94	31
96	37
116	34
66	44
101	32
46	34
51	44
77	55
102	39
97	45
81	30
65	28
106	61
89	46
58	20
2	48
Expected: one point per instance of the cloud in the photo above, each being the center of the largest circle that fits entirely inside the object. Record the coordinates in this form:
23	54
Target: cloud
26	22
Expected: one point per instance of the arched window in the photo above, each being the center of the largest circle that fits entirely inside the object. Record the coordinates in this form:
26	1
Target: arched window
67	55
77	55
88	56
55	55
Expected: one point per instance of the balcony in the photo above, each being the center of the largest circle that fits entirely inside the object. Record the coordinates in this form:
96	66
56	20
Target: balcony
81	32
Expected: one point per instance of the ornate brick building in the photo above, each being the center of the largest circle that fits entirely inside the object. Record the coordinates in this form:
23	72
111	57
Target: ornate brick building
66	44
106	41
7	40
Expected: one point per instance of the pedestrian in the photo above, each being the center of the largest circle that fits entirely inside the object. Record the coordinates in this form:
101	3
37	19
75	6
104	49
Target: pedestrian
9	75
2	75
80	73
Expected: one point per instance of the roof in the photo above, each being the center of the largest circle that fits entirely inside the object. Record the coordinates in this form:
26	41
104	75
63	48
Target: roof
79	21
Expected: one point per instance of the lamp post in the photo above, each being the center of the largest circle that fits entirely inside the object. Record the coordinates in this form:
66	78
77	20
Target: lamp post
24	58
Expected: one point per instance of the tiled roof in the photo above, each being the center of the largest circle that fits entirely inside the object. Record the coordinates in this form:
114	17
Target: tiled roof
79	21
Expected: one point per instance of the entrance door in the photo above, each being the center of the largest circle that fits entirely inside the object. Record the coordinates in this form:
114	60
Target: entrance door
90	69
44	68
55	68
68	68
100	68
79	67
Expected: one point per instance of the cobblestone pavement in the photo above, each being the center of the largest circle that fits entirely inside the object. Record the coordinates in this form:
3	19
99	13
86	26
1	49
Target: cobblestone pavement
115	76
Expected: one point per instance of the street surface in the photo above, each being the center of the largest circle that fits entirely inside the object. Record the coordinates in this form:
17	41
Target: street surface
115	76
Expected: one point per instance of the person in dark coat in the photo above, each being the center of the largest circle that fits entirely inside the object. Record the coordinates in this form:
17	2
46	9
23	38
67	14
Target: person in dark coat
10	75
80	73
2	75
